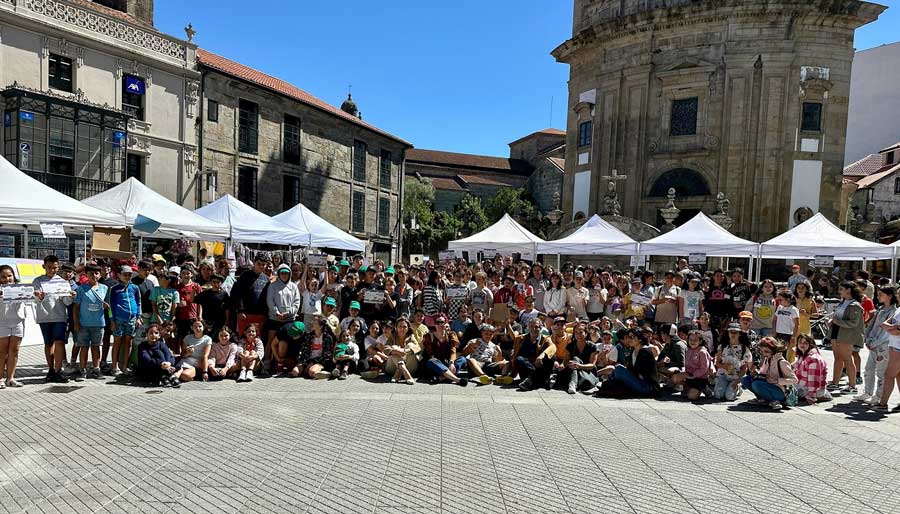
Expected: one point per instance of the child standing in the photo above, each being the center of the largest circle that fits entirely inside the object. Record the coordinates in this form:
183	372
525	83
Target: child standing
690	301
762	306
252	354
222	355
125	301
876	340
787	322
165	298
188	309
89	321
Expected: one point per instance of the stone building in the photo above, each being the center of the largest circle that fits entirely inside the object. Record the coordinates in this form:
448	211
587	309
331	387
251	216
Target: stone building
92	93
273	145
748	98
535	163
873	184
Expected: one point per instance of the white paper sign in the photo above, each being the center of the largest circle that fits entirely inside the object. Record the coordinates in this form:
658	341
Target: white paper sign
696	258
375	296
639	261
454	292
56	288
53	231
317	259
449	255
824	261
416	259
639	299
18	293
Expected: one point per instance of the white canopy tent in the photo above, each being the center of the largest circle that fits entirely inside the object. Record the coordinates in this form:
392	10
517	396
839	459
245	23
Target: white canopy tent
26	201
505	237
320	233
595	237
699	235
819	236
131	198
247	225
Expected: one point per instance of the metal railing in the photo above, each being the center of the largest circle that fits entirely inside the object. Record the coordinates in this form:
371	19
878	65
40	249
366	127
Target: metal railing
76	187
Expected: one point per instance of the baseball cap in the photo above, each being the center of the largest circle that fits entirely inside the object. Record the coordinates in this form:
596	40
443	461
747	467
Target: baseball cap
745	314
344	262
334	269
330	301
158	258
389	270
296	328
354	305
126	269
175	269
734	327
559	319
284	268
579	274
363	269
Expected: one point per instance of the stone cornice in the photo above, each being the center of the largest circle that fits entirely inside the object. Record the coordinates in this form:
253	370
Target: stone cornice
852	13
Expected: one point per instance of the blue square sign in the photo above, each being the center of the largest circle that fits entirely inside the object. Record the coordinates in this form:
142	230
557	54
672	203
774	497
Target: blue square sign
134	85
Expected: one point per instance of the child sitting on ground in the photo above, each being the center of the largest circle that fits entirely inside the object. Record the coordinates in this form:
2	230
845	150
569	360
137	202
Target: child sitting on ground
222	356
697	366
251	354
344	353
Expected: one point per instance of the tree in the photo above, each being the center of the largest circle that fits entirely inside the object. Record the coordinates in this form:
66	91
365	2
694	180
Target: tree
418	205
471	216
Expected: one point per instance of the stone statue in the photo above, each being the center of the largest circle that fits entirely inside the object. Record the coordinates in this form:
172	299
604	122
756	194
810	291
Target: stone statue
190	32
722	204
611	204
670	198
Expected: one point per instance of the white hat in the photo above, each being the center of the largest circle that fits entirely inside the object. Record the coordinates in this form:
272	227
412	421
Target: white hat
175	269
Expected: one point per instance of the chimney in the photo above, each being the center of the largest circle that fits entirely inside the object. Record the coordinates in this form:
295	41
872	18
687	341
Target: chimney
141	10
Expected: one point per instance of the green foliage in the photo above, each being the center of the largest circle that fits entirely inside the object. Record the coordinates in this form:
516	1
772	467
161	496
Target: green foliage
471	215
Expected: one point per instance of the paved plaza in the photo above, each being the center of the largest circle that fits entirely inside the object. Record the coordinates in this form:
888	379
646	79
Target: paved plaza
289	445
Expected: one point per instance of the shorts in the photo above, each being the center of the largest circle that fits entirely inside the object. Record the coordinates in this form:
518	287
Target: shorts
89	336
54	331
12	329
124	328
273	325
784	338
187	363
696	383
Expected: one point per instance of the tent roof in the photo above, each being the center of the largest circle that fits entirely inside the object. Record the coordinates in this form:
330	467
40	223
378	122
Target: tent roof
699	235
595	237
247	225
320	233
504	236
26	201
131	198
819	236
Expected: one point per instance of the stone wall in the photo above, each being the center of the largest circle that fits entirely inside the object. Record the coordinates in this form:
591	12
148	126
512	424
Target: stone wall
326	156
751	65
544	185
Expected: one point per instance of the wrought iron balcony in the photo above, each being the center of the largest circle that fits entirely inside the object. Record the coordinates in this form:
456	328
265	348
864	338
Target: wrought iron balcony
76	187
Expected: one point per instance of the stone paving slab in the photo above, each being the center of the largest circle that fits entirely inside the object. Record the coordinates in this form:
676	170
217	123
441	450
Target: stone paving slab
289	445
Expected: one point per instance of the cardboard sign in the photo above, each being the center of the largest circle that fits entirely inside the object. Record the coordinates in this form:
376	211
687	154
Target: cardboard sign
639	299
373	296
18	293
499	313
112	242
317	259
824	261
53	231
696	258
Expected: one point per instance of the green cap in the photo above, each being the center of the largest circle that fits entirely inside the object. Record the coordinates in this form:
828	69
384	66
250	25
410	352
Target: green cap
389	271
296	328
284	268
354	305
330	301
344	262
334	269
363	268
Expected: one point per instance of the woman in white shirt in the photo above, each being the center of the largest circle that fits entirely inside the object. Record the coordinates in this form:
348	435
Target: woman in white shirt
555	297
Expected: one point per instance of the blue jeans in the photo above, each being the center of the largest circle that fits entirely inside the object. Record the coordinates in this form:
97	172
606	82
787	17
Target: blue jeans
436	367
632	382
763	390
461	364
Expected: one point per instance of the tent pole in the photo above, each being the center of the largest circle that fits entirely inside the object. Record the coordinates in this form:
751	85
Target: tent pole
557	262
140	247
85	245
25	242
894	267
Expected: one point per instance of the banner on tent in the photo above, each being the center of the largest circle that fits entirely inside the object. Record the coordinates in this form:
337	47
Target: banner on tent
823	261
697	258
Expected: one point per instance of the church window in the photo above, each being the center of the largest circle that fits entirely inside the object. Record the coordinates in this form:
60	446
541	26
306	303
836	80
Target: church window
811	121
585	132
684	117
686	182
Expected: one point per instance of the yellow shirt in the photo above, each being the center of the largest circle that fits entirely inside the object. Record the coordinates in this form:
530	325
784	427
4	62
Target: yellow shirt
809	306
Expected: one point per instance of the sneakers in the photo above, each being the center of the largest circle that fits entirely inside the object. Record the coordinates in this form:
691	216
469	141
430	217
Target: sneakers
850	390
80	375
60	378
862	397
70	368
409	381
322	375
174	382
96	374
106	368
832	387
463	382
775	405
873	400
51	376
342	376
249	376
243	376
369	375
504	380
335	373
485	380
571	390
525	385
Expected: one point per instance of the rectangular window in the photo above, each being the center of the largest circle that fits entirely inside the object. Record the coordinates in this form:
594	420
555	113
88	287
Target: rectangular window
684	117
247	185
290	192
133	91
384	216
812	117
358	209
134	167
384	166
585	133
360	151
62	146
291	140
248	127
60	73
889	158
88	157
114	145
212	111
897	186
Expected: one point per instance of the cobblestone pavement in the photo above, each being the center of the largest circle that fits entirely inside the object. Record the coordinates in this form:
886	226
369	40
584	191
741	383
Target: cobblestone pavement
288	445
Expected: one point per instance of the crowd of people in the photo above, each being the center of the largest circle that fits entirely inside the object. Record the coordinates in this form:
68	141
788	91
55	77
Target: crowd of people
579	329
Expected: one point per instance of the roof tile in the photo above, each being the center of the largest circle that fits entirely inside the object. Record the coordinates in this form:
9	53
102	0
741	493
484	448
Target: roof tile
277	85
865	166
463	160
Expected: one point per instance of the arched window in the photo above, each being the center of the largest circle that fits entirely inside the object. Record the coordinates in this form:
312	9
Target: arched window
686	182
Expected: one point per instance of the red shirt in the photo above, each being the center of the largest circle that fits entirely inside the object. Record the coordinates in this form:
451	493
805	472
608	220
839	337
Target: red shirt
188	293
868	308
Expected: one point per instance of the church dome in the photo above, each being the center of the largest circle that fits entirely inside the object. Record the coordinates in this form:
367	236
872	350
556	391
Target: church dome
349	106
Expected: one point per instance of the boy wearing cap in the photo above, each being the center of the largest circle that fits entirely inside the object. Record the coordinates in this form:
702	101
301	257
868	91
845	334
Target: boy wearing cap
354	315
124	299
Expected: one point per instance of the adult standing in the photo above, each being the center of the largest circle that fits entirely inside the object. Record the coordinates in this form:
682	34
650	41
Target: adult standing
402	296
539	284
249	297
892	372
717	301
432	299
877	339
666	300
283	300
577	296
555	297
847	330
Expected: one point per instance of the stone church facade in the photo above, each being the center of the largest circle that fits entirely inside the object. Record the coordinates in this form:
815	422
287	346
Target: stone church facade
747	98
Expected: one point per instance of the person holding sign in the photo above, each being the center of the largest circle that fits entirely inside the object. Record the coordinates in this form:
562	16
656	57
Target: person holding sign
54	295
12	328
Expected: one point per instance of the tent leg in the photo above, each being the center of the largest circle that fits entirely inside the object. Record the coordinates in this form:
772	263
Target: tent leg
85	245
557	263
25	242
140	248
894	267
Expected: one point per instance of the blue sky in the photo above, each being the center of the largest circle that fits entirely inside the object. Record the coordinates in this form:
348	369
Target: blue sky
465	76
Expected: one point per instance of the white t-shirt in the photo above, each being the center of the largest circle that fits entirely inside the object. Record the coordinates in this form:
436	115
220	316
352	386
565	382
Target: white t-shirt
894	341
784	319
691	301
312	302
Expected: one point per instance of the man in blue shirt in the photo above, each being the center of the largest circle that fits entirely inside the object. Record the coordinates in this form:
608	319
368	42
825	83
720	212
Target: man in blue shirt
88	321
124	299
